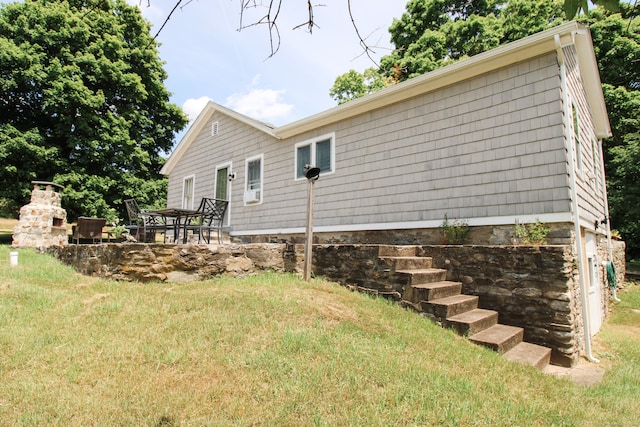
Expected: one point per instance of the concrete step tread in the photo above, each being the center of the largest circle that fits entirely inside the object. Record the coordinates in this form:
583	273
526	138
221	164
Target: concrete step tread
455	299
500	338
436	285
393	250
529	354
496	333
472	316
422	271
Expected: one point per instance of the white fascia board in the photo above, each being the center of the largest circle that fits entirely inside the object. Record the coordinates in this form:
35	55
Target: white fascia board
561	217
526	48
592	84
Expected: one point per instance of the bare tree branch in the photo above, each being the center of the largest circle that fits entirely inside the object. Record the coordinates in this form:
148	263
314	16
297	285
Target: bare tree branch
167	20
270	19
310	23
366	48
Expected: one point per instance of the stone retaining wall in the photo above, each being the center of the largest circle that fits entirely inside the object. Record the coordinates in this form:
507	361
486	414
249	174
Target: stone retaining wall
174	263
534	287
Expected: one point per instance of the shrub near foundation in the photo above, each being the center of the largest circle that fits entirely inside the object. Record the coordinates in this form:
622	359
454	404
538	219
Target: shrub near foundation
453	232
534	233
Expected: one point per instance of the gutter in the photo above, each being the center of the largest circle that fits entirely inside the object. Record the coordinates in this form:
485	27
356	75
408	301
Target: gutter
575	207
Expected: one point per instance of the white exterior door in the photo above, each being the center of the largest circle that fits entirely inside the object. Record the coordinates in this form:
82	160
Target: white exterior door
223	187
593	286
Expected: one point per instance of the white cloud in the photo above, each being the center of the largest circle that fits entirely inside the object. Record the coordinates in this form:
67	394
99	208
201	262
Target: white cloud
192	107
261	104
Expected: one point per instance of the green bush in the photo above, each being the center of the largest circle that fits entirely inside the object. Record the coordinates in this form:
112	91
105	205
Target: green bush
453	232
534	233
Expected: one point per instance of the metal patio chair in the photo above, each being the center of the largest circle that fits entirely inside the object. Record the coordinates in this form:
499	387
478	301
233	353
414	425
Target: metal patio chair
211	218
142	225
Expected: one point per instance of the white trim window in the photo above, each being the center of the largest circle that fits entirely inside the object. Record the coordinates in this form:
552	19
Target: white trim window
254	172
318	152
575	121
188	188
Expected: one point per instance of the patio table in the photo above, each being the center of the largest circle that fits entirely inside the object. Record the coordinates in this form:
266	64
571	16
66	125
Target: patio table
180	218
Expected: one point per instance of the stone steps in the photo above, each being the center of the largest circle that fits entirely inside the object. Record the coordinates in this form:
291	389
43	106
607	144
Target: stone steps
422	276
530	354
444	308
427	290
472	322
432	291
408	262
500	338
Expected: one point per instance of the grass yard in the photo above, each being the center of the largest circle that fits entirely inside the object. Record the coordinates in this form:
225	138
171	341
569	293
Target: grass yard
272	350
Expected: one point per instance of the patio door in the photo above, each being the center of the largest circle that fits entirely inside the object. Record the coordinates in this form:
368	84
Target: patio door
593	286
223	187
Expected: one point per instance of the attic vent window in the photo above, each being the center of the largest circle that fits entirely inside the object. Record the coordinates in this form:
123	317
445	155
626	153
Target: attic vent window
215	128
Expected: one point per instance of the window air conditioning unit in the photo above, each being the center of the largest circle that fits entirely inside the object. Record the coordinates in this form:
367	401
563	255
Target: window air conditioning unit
252	196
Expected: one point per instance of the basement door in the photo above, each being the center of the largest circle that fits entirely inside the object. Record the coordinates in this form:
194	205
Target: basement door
593	284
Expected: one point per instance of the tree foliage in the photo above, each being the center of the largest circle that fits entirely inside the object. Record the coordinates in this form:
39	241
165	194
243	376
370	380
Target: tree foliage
83	104
434	33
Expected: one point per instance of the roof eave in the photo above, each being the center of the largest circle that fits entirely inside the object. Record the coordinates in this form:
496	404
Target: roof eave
519	50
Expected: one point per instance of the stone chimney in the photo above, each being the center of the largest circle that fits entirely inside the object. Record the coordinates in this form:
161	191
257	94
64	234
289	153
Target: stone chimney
43	222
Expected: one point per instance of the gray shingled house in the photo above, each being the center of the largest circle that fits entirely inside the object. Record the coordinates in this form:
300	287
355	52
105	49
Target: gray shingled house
509	135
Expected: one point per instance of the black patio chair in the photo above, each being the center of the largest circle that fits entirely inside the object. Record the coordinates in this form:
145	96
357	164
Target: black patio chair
142	225
211	217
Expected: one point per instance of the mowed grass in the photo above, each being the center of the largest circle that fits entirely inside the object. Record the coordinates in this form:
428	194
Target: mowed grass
272	350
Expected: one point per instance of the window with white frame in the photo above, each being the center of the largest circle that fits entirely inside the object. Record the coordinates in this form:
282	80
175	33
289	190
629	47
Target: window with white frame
576	136
596	162
318	152
253	179
187	192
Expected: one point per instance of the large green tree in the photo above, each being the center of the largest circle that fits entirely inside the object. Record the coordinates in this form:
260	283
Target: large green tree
616	38
82	103
433	33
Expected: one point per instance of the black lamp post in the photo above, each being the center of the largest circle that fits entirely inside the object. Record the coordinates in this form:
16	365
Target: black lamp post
312	174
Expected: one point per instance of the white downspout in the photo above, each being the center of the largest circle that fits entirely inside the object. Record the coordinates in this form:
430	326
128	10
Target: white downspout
603	189
575	207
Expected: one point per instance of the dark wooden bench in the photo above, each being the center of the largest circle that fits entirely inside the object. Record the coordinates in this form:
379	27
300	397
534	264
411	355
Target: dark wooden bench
88	228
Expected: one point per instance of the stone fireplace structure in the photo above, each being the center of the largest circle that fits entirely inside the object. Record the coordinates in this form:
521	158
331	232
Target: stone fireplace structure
43	222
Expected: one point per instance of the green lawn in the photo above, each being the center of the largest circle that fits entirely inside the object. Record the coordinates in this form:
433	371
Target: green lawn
272	350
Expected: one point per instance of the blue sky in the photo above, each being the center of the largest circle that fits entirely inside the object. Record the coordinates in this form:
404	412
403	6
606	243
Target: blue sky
208	58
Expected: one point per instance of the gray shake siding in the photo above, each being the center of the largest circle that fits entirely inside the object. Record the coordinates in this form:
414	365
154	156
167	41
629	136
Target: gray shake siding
489	147
489	143
588	177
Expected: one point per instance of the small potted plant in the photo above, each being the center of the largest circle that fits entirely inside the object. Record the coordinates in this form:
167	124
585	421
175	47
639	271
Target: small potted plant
118	230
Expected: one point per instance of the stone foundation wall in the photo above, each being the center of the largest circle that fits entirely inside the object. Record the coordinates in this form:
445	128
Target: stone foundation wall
534	287
559	234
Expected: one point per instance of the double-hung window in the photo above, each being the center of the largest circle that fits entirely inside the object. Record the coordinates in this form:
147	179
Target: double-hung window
576	136
253	182
318	152
187	192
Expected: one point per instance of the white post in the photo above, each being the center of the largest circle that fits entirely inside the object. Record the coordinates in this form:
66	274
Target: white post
13	258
